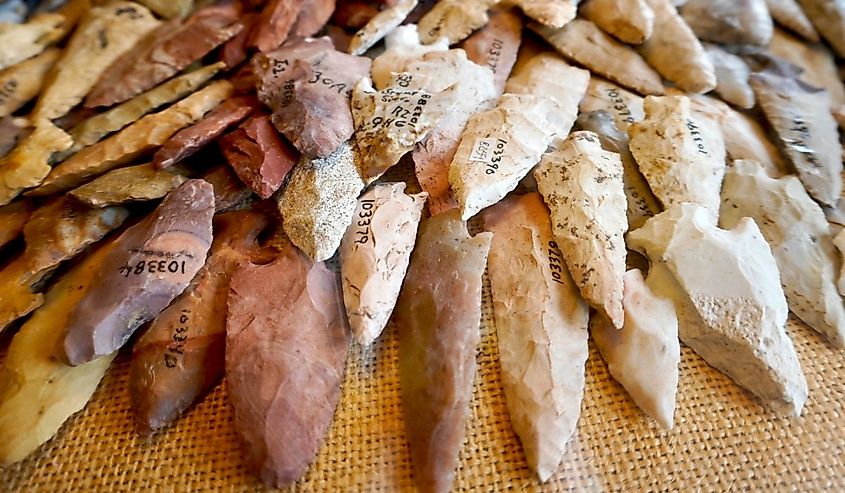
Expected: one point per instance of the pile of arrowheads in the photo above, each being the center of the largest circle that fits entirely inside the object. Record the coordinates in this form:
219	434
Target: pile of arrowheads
175	174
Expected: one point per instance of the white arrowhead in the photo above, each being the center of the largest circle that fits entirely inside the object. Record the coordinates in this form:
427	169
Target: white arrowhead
643	356
726	290
797	230
374	256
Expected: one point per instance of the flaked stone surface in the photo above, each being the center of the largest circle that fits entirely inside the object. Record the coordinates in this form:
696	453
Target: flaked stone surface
152	262
798	233
260	158
675	51
181	355
629	21
308	84
27	165
104	35
738	22
286	345
319	201
496	45
731	77
380	25
801	117
727	294
130	184
541	322
390	122
625	106
498	148
584	43
582	185
164	52
454	20
644	355
642	204
474	91
681	155
374	256
438	315
132	142
54	233
93	129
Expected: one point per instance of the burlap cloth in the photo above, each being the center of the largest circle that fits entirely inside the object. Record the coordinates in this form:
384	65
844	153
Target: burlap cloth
723	439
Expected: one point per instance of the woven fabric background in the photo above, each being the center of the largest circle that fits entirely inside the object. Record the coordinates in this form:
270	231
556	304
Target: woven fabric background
723	439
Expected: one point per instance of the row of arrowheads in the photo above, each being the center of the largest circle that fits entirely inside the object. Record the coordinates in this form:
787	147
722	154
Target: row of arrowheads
186	170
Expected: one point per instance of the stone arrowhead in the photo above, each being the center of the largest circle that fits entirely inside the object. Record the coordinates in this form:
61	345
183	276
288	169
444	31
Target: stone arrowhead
731	77
727	294
165	51
582	185
93	129
318	203
541	322
454	20
584	43
496	45
829	18
286	344
28	163
551	13
642	204
629	21
681	155
498	148
624	106
189	140
402	47
133	141
388	123
23	81
675	52
307	84
800	115
731	22
55	232
259	157
12	219
39	391
548	75
438	314
181	355
152	263
104	35
790	15
131	184
644	355
19	42
374	256
380	25
798	233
